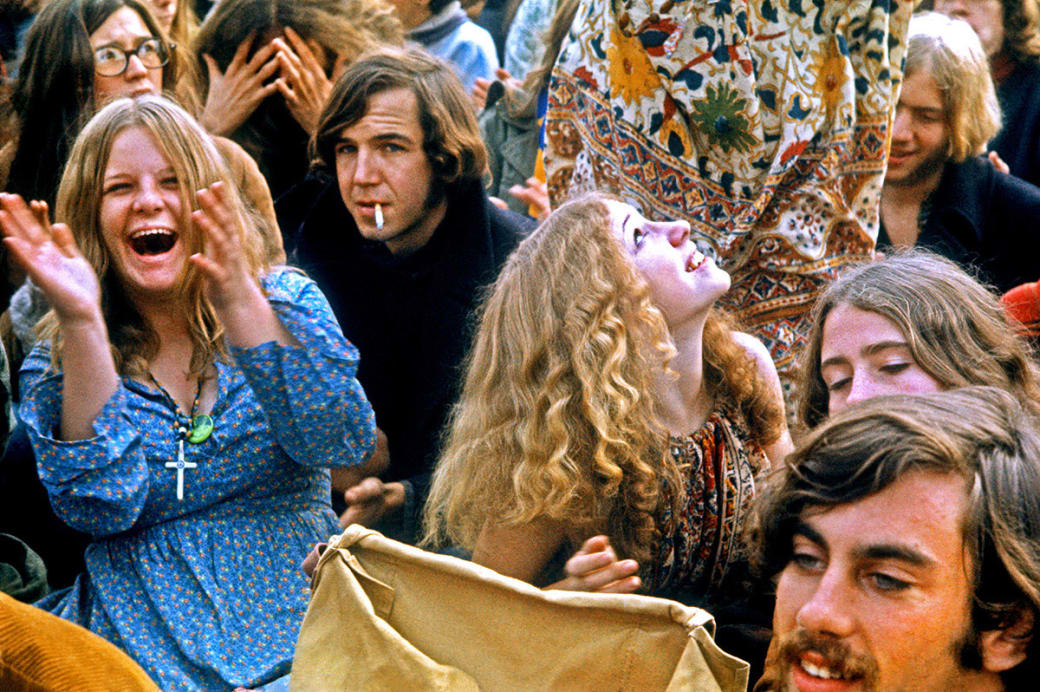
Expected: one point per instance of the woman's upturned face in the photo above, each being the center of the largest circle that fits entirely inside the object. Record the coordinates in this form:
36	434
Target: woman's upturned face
864	355
125	30
142	217
684	284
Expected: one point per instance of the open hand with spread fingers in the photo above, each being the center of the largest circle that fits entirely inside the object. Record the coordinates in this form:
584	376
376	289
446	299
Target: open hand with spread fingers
49	255
229	284
235	93
303	82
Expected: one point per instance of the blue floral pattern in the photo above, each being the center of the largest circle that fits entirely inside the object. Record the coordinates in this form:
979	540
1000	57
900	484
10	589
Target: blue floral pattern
207	592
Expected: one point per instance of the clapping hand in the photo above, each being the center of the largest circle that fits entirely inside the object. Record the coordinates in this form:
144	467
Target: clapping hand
49	255
228	279
229	283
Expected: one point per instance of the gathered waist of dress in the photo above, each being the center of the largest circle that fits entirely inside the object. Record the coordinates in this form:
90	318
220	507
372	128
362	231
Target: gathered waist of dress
259	509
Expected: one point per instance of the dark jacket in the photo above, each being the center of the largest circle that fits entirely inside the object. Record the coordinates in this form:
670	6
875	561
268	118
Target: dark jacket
1018	141
983	219
511	136
410	317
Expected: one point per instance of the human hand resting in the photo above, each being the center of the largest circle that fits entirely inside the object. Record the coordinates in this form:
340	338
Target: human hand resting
535	194
370	501
235	93
303	82
49	255
595	567
310	563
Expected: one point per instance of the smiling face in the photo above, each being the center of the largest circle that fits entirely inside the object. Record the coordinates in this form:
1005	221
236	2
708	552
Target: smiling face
124	29
142	217
684	284
877	593
864	355
920	132
380	160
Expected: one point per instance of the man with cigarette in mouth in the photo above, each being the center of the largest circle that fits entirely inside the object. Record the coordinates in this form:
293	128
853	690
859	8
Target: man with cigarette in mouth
401	243
904	537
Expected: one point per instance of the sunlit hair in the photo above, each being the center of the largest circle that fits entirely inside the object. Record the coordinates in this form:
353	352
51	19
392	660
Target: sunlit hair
982	434
949	51
955	327
557	416
196	164
184	24
1021	28
54	94
451	136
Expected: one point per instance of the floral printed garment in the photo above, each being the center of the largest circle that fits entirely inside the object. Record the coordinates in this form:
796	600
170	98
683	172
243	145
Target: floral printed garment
206	592
763	123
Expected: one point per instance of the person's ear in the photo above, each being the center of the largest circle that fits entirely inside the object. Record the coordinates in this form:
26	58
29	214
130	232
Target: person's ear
1005	648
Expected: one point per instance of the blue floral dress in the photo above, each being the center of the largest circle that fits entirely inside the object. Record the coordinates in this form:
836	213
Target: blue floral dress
206	592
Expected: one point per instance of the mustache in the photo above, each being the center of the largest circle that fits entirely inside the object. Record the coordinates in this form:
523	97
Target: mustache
837	656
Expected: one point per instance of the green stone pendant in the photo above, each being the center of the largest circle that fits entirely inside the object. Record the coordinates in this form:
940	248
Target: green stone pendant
201	429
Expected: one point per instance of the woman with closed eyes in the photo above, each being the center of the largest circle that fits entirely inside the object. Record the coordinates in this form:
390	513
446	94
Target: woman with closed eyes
911	323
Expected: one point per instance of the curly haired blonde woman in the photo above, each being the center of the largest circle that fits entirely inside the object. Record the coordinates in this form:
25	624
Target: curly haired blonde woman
608	409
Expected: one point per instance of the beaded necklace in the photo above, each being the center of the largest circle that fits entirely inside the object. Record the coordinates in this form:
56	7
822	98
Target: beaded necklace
201	427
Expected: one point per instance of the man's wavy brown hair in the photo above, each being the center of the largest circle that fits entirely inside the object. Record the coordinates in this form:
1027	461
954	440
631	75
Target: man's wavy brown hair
557	416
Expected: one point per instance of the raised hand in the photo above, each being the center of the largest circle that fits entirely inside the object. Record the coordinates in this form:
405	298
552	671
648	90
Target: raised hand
595	567
235	93
228	278
49	255
229	282
303	83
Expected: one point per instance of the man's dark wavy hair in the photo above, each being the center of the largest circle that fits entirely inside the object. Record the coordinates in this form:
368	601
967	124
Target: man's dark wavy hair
982	434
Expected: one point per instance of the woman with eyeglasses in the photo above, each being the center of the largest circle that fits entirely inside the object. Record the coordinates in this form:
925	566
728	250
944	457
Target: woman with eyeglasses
80	54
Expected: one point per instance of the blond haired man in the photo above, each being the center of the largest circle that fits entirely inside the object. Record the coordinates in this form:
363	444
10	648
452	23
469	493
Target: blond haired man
937	192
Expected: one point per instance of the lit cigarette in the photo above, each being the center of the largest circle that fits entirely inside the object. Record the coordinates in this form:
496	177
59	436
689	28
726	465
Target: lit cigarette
379	216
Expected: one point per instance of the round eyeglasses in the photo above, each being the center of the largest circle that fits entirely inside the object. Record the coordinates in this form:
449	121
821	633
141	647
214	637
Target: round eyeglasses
111	60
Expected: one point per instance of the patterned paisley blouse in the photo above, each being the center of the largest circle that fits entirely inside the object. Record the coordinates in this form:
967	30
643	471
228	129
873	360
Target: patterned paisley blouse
703	542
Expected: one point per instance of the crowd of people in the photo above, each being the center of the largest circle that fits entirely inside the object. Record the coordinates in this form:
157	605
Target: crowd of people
733	304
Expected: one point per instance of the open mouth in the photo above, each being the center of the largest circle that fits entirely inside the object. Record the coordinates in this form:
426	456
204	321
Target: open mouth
822	672
153	241
695	260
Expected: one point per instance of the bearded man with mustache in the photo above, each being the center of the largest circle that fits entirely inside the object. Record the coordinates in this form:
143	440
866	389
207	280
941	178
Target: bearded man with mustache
904	538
